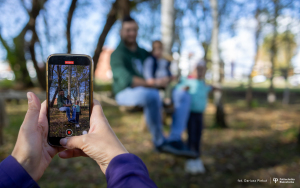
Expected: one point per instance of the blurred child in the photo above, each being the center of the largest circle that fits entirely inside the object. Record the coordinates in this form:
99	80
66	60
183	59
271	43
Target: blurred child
198	90
77	108
158	68
155	66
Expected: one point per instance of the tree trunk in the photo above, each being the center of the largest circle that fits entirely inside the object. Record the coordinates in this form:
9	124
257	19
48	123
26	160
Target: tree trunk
16	57
69	22
249	95
167	25
51	71
271	94
286	93
54	96
17	61
77	84
40	72
59	76
84	94
220	115
69	79
119	8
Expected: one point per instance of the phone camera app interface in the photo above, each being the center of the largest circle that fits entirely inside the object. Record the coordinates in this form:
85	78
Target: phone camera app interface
69	99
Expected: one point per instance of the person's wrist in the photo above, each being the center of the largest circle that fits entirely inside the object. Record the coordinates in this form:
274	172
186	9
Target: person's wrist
104	165
25	163
156	83
150	84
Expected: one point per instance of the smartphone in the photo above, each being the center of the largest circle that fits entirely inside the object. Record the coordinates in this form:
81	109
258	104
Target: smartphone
69	95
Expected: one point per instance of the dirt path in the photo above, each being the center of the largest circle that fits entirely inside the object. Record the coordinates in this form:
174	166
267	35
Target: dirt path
60	125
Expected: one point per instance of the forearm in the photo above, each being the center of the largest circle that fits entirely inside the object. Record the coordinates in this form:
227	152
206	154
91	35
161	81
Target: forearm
12	174
137	81
127	170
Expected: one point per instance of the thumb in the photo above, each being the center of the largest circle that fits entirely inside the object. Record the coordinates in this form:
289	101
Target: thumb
73	142
31	119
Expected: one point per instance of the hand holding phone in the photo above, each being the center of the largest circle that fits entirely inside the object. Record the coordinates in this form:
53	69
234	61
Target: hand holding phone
34	153
32	150
100	144
69	95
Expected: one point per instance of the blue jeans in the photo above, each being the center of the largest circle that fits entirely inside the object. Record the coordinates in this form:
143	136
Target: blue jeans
149	99
67	109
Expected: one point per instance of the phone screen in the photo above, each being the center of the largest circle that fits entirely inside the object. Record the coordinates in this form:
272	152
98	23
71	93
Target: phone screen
69	79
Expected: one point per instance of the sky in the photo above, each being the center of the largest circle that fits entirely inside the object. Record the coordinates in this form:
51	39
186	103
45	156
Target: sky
89	19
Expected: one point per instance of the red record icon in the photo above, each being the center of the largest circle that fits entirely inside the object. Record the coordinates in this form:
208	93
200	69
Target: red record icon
69	132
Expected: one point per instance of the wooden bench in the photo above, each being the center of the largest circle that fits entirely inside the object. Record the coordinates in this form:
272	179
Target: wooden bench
107	98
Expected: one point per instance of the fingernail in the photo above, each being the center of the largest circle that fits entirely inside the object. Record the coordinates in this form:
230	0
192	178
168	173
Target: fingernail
29	97
63	141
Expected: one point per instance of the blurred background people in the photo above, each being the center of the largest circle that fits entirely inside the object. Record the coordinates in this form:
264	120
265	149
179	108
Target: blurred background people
131	89
198	90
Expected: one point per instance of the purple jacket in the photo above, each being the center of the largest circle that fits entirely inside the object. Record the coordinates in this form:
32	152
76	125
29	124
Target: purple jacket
125	170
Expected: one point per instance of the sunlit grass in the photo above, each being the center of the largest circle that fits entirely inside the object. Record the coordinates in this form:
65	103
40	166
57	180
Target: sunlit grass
260	143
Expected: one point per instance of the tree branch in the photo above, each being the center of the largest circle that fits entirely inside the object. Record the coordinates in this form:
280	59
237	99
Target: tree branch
121	7
69	22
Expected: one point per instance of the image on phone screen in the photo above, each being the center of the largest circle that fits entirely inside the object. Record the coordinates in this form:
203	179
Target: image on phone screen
68	99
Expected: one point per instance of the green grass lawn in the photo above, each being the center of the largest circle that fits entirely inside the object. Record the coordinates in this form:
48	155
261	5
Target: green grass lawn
260	144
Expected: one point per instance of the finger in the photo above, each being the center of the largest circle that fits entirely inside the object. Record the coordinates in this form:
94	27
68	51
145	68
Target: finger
52	150
43	121
43	115
97	109
43	111
31	119
97	116
73	142
70	153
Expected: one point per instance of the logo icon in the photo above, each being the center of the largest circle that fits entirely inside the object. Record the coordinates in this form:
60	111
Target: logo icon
275	180
69	132
69	62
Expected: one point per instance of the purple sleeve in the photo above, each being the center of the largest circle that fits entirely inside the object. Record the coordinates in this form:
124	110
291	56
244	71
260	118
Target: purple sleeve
127	170
12	174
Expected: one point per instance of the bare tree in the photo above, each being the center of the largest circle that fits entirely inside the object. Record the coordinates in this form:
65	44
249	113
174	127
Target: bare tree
77	83
35	10
271	93
220	115
167	25
289	51
17	61
258	29
69	23
69	43
69	79
119	9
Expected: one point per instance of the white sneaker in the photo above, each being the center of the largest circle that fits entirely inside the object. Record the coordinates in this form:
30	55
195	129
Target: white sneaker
190	166
200	166
194	166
